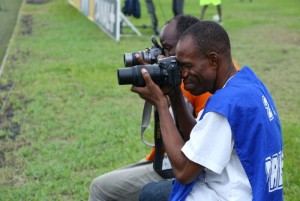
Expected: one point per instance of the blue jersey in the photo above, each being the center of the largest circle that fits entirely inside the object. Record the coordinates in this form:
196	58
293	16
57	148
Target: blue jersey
255	125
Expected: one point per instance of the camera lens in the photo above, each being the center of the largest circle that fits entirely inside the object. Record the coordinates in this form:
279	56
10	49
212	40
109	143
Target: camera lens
134	76
125	76
130	60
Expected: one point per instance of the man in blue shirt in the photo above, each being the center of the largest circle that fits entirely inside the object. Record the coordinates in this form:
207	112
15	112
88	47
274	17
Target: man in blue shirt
234	150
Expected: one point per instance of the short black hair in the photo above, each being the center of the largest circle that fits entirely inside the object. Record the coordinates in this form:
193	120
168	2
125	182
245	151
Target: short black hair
183	22
209	37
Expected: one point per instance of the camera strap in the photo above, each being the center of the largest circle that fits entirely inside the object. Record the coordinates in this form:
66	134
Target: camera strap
159	153
145	121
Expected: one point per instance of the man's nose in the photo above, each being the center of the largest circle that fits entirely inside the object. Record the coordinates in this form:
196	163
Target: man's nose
172	53
167	53
184	73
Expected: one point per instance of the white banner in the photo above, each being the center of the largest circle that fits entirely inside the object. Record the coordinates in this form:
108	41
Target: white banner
107	17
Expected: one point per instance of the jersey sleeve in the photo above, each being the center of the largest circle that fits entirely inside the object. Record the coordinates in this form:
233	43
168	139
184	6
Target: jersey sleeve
210	143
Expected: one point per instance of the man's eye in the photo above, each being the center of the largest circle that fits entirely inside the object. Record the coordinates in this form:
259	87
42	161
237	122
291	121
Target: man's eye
182	67
185	67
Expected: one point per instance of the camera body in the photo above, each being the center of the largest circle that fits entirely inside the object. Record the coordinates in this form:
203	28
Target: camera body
149	54
165	73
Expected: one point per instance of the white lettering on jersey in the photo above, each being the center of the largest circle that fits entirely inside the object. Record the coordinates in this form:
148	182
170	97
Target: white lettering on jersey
268	108
274	167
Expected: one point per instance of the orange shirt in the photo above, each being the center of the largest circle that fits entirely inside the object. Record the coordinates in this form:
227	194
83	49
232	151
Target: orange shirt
198	102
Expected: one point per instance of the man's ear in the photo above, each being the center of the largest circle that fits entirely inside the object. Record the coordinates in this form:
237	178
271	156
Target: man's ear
213	58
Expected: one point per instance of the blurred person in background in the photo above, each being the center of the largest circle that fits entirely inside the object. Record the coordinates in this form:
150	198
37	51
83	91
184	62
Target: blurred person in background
177	6
206	3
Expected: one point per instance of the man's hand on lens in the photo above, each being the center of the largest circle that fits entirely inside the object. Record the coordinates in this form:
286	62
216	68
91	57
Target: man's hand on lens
151	92
140	59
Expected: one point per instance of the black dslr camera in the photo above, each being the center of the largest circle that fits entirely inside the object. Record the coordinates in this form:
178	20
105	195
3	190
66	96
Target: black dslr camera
166	73
149	54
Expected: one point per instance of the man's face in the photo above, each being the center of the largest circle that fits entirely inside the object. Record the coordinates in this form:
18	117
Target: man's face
197	72
169	38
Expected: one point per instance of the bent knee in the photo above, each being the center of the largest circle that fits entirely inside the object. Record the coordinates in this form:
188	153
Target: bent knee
97	190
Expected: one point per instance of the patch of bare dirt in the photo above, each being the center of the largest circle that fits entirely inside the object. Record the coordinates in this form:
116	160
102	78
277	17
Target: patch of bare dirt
37	1
26	25
10	129
6	113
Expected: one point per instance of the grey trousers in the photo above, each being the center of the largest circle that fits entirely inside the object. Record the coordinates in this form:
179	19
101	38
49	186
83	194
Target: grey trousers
123	184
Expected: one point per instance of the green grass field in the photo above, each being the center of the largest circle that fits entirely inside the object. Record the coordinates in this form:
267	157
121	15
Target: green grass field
65	120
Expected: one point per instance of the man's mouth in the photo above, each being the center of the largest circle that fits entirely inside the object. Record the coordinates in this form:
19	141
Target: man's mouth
188	86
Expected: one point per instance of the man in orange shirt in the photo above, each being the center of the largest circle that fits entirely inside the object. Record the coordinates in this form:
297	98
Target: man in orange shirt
126	183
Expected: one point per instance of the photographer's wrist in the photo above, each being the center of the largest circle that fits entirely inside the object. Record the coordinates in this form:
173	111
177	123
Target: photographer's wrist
173	91
170	92
168	100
